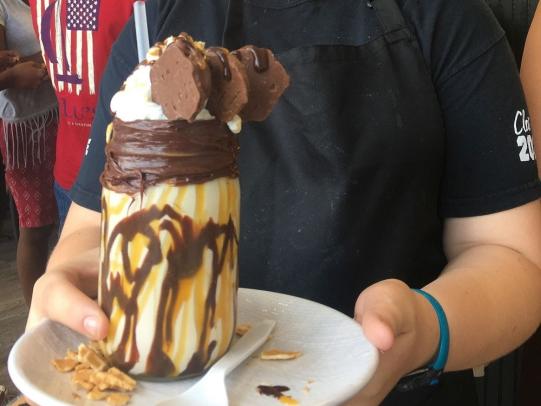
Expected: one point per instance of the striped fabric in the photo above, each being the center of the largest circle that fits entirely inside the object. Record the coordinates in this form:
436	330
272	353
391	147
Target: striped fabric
66	29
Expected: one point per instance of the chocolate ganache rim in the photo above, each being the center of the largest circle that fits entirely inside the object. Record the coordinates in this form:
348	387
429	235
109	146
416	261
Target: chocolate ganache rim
144	153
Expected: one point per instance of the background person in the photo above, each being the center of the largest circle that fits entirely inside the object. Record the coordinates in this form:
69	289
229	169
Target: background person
28	109
76	38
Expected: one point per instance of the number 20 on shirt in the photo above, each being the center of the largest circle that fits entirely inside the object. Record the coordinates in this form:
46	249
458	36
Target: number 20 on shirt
524	136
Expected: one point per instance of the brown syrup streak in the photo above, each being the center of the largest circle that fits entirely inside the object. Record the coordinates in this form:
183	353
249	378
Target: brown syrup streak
222	55
183	262
260	57
276	391
185	45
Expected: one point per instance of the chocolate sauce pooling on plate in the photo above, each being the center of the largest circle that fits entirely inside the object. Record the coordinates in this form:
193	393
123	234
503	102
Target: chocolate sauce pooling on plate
276	391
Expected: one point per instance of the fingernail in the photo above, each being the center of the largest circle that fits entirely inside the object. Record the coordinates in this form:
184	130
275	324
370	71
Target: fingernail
91	325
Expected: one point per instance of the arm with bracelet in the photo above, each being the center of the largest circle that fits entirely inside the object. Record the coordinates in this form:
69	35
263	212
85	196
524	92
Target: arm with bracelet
490	287
489	294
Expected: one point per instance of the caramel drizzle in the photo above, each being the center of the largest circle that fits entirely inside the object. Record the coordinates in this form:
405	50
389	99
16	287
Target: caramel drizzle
185	44
183	262
221	53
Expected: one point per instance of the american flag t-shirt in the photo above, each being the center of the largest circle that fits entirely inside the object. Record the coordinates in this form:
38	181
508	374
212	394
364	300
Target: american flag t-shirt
76	38
83	15
66	29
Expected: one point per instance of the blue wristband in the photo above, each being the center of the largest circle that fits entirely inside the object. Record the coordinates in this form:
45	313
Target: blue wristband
430	375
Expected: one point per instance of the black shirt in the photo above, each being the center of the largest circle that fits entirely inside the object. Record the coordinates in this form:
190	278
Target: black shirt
465	51
327	210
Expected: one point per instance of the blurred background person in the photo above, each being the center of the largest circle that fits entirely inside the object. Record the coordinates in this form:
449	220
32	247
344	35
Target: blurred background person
76	37
29	122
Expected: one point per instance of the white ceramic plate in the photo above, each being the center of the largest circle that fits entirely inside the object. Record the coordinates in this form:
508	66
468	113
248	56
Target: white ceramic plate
337	359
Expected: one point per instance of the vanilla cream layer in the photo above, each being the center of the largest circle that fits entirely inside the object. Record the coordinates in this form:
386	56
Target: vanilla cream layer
171	317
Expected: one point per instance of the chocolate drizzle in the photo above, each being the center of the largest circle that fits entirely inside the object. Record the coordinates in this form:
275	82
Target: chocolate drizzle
143	153
261	58
229	93
221	53
267	80
182	261
186	44
259	55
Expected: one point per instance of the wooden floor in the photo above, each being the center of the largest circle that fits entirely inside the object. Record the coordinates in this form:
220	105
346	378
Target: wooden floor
13	309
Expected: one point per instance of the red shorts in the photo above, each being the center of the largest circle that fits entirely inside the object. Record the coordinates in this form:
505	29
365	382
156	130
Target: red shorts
30	178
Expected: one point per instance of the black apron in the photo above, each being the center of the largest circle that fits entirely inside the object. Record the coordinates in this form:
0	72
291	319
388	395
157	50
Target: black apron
340	185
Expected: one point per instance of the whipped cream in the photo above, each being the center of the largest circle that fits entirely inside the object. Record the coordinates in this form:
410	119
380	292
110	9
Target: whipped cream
134	101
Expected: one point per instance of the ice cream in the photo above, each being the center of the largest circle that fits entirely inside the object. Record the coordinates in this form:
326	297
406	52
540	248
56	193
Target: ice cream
170	208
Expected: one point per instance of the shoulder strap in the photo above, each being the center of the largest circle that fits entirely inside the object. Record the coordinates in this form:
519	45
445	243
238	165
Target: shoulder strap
391	20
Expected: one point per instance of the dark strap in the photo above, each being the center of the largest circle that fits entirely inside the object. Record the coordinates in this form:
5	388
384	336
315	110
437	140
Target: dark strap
391	20
388	13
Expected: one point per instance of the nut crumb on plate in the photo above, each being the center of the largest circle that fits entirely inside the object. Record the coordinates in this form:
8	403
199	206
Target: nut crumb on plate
118	399
64	364
242	329
91	371
278	355
96	394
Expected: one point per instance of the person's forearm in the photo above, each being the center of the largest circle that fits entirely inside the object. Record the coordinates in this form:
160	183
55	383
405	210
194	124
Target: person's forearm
491	296
530	74
6	80
37	57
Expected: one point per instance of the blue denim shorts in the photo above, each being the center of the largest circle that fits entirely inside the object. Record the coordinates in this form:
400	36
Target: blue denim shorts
63	202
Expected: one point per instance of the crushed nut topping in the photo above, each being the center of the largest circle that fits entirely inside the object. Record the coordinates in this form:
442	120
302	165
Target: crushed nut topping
91	372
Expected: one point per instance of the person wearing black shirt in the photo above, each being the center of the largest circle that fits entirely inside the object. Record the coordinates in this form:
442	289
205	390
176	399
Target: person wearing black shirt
400	157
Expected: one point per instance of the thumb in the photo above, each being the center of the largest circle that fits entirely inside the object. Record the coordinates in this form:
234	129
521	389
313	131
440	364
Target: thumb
379	332
381	311
56	298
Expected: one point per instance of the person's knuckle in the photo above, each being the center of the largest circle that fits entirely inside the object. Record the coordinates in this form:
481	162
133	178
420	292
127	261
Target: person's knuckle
39	286
41	295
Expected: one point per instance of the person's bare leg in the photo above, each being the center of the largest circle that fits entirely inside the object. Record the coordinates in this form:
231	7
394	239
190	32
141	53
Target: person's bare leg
32	255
